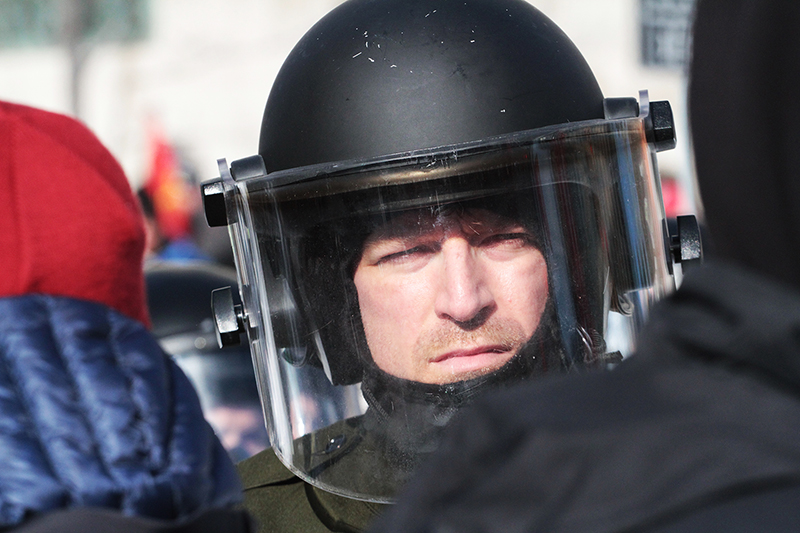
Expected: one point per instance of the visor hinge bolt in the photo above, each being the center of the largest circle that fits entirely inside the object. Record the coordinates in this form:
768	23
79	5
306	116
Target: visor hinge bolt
687	245
660	126
213	192
228	318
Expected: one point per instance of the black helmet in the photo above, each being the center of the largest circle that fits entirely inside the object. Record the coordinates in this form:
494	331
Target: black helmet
383	77
410	121
178	295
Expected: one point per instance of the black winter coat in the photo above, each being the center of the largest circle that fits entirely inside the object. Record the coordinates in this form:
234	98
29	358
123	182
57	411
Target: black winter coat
700	431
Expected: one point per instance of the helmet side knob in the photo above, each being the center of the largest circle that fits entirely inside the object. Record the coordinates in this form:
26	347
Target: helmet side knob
213	192
661	126
228	318
687	244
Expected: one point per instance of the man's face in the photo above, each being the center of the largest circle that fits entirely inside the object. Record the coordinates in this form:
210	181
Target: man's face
449	297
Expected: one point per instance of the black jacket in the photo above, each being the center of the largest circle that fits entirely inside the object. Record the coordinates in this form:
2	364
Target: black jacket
701	427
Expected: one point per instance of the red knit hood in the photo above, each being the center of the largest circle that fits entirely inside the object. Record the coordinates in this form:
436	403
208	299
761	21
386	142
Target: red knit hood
70	223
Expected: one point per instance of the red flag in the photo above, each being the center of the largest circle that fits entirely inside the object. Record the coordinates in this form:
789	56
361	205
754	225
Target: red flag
172	197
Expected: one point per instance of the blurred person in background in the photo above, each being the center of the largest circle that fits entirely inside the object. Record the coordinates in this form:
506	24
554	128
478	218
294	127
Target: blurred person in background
99	429
178	297
199	243
443	203
159	247
176	229
700	429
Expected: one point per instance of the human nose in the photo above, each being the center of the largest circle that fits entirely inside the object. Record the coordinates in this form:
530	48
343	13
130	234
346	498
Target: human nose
463	297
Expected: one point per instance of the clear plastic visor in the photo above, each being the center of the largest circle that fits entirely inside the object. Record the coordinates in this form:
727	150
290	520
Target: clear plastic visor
383	295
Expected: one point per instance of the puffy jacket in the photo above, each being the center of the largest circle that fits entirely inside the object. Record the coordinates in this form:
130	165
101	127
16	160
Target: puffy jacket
95	415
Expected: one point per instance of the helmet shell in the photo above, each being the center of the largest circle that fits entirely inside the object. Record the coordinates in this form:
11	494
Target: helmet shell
378	77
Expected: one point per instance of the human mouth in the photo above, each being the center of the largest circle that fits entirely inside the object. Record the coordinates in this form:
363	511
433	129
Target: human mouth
471	352
479	359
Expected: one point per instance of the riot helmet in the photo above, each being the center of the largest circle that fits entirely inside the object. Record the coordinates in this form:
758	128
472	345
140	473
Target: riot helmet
178	295
443	203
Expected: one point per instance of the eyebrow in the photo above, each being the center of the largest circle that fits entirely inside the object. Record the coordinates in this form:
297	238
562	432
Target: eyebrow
408	232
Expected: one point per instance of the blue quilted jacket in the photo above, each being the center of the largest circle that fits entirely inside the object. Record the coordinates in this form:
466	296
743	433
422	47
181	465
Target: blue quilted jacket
94	414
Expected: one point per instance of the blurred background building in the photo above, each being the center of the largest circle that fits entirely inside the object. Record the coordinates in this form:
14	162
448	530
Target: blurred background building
197	72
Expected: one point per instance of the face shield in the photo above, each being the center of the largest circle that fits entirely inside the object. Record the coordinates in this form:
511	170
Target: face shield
380	296
224	382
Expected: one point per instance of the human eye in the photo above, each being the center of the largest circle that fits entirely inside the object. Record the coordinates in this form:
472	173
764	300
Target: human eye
395	251
405	255
510	240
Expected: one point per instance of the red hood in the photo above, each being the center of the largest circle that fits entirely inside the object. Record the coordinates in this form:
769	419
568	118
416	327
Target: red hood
70	223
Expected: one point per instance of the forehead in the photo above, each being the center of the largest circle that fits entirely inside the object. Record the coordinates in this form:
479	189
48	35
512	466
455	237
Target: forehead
447	218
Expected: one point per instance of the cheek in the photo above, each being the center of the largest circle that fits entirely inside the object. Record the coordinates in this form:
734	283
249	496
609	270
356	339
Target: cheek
392	311
387	298
525	290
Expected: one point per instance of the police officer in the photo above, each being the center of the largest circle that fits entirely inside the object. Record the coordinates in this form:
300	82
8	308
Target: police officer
443	203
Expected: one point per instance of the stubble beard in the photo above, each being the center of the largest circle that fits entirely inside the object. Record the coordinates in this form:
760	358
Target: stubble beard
505	333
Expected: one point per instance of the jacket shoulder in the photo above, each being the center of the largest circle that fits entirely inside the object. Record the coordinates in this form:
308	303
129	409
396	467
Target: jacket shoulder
275	497
282	502
264	469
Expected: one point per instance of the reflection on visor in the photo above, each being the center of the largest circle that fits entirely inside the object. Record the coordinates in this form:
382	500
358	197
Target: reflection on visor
383	295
